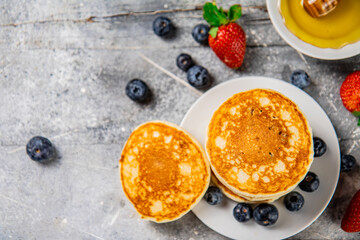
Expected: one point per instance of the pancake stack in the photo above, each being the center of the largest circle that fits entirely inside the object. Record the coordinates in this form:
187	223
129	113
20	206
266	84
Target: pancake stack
259	145
164	171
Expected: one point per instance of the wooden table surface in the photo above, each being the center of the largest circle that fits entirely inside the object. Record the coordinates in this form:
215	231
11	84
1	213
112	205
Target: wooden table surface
64	65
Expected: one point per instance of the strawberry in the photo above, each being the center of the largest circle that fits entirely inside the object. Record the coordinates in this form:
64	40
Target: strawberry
351	219
226	38
350	93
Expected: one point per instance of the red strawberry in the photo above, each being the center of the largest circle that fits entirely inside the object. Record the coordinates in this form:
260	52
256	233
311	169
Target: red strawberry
350	93
226	38
351	219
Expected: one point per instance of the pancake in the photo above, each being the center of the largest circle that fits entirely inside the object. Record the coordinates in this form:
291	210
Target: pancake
231	195
259	144
164	171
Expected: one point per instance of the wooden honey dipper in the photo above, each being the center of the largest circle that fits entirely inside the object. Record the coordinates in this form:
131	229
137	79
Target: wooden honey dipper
319	8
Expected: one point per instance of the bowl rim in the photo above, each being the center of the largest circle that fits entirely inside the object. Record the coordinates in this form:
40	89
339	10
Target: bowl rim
347	51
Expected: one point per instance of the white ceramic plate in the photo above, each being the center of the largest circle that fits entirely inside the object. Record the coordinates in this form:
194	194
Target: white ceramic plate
327	167
306	48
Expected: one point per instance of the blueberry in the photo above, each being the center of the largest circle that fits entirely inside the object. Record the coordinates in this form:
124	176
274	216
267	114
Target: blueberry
213	195
242	212
348	162
294	201
40	149
198	77
162	26
300	79
266	214
184	61
310	183
137	90
201	33
319	147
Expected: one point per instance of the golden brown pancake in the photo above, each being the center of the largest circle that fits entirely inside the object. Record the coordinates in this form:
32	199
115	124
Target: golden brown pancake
164	171
230	194
259	144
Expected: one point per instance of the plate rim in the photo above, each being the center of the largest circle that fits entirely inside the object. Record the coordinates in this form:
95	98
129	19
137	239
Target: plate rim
249	78
349	50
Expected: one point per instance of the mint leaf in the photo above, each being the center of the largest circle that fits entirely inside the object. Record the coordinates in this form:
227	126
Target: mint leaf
359	122
213	15
356	113
235	12
213	31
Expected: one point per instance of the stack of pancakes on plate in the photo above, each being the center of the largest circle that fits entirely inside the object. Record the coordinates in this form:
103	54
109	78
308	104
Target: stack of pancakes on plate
258	142
259	145
164	171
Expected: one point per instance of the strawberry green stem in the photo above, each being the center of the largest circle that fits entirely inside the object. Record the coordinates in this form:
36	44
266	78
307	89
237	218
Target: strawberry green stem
357	114
217	17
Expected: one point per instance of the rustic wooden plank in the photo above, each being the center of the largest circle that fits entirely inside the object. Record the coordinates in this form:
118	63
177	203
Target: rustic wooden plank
40	10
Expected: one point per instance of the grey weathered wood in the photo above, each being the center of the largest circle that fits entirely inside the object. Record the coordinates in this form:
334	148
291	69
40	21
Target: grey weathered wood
40	10
63	74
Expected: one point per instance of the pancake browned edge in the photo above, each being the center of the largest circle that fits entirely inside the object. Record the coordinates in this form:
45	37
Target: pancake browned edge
231	195
164	171
259	144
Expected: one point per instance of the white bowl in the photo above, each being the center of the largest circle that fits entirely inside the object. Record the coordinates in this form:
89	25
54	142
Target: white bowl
306	48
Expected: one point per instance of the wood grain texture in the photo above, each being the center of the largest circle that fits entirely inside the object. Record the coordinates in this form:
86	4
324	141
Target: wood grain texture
63	70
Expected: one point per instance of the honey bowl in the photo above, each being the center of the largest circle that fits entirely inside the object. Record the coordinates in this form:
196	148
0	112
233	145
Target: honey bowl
334	36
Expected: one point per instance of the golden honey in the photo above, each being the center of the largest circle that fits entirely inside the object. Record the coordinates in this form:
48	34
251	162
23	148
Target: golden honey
335	30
